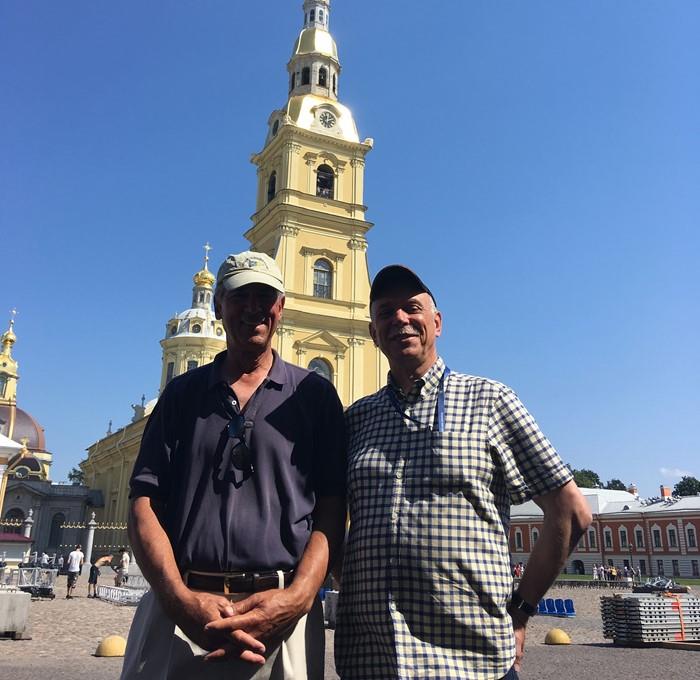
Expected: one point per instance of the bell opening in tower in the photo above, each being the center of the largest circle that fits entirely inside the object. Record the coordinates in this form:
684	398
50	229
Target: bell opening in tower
325	181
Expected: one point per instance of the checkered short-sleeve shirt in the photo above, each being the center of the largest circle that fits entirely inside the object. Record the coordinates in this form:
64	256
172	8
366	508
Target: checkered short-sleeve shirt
426	577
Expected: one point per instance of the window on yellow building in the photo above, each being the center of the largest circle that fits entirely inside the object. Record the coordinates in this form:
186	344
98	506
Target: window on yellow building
323	279
271	186
322	367
325	181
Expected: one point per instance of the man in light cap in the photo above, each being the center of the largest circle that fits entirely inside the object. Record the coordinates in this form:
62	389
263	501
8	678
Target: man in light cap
435	458
238	503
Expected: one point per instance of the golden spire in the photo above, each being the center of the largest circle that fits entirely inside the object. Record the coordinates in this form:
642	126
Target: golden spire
8	337
204	277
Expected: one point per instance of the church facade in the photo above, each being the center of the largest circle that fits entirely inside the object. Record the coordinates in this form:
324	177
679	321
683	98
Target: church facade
41	514
310	217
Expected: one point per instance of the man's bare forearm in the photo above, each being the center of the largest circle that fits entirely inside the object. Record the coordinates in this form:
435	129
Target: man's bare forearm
154	552
322	549
566	516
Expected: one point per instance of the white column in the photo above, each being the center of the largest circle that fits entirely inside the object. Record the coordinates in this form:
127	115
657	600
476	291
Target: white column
89	538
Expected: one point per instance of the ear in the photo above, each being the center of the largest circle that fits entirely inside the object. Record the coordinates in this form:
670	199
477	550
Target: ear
373	334
217	305
438	323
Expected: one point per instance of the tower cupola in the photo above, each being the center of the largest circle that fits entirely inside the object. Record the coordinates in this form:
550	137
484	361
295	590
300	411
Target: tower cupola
203	291
195	336
8	365
317	14
314	67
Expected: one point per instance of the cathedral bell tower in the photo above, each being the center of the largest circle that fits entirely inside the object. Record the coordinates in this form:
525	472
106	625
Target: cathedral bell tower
310	217
8	365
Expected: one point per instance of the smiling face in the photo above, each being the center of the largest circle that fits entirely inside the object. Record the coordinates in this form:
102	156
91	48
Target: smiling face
250	315
405	326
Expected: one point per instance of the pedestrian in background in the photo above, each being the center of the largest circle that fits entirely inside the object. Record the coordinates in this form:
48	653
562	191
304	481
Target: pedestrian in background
75	564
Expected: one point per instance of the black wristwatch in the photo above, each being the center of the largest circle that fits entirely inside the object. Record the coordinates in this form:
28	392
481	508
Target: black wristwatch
517	602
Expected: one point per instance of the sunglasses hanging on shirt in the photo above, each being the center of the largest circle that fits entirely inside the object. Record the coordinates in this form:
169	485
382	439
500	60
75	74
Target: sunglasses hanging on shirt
241	457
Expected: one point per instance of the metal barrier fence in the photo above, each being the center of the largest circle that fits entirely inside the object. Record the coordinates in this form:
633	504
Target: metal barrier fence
124	596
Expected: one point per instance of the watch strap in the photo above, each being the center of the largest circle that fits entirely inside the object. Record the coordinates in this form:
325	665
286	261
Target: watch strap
517	602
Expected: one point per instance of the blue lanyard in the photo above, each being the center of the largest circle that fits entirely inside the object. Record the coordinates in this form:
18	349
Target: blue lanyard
440	404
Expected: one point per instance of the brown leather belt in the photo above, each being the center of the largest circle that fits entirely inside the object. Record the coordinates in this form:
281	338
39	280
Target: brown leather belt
238	582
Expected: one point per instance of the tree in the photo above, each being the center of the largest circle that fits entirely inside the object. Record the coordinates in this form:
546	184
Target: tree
77	476
586	479
688	486
616	484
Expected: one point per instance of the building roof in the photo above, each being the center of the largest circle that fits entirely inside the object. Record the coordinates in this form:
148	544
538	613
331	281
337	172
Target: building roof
21	424
608	502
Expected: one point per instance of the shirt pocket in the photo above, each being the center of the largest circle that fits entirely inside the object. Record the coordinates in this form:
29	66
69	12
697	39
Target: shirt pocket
449	462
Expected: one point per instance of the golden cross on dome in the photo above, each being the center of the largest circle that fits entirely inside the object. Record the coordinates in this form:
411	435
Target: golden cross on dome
207	248
13	314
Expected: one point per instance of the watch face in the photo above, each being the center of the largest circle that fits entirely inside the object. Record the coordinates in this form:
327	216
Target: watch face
327	119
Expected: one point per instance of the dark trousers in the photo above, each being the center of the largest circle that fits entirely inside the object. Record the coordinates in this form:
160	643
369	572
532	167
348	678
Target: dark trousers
510	675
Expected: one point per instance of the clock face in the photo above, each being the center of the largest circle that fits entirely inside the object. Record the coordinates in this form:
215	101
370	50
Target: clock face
327	119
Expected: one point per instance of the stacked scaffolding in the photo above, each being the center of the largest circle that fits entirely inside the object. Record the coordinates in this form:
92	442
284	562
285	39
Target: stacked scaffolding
633	618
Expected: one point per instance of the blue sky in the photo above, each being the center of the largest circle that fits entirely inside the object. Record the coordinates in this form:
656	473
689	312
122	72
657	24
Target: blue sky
538	163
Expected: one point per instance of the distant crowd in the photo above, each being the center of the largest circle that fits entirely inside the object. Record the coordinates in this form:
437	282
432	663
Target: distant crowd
609	572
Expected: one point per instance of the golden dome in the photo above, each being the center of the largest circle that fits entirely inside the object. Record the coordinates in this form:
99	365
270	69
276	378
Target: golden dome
204	278
315	41
9	337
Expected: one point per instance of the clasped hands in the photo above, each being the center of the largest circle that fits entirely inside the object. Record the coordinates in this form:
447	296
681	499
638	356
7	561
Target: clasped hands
237	629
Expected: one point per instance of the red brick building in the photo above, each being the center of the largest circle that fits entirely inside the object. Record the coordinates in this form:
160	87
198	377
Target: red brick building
657	535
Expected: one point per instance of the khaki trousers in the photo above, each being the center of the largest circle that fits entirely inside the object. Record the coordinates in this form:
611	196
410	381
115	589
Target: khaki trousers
158	650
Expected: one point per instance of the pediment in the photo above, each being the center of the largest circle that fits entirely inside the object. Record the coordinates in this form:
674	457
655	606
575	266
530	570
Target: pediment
322	341
15	485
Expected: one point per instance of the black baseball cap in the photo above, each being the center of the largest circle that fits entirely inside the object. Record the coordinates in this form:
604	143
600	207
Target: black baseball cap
393	276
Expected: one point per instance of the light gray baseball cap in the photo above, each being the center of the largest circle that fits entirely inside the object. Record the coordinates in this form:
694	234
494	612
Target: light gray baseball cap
249	267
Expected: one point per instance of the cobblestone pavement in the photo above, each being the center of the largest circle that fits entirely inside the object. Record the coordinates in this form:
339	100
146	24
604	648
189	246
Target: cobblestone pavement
65	634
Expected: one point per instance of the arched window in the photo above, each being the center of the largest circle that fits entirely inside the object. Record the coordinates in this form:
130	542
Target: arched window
322	367
692	540
323	77
305	75
672	537
15	514
275	128
3	384
292	82
518	539
607	533
56	532
320	15
312	15
535	536
592	538
323	279
334	84
623	537
271	186
325	181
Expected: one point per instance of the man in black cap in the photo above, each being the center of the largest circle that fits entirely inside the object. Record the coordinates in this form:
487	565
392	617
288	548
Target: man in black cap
238	502
435	458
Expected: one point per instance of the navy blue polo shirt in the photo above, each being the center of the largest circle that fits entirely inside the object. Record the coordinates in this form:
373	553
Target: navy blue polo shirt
219	518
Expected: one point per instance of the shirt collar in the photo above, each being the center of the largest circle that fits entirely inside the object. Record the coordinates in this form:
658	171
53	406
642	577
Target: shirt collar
277	373
425	385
